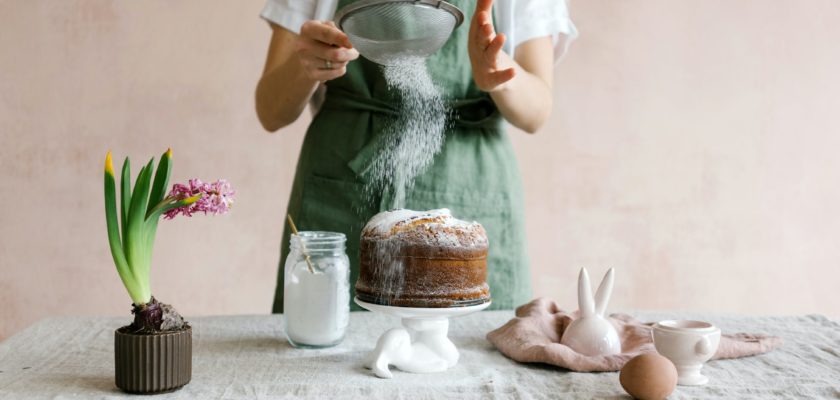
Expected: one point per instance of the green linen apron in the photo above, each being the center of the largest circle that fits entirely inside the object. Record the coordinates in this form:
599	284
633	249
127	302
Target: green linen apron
475	175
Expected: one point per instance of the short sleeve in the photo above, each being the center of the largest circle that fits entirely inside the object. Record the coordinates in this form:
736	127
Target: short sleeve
291	14
538	18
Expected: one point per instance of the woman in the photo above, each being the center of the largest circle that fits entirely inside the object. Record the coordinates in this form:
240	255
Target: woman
487	77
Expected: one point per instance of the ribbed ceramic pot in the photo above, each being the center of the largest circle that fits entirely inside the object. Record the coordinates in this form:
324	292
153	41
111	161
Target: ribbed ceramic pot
153	363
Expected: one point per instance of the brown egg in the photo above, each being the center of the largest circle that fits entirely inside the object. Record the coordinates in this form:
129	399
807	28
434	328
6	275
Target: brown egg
648	377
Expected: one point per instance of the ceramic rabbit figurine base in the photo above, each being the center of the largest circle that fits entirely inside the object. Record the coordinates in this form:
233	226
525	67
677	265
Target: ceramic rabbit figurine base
688	344
592	334
421	345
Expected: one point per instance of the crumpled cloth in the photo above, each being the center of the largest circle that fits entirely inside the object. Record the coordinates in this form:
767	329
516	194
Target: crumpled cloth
534	336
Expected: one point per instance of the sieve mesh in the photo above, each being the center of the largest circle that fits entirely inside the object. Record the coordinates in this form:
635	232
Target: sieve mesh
389	31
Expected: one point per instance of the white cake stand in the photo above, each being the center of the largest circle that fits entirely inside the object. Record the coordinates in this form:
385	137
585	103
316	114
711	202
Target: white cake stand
421	345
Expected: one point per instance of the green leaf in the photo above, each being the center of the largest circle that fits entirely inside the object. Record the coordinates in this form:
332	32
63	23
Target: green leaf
136	243
125	195
161	181
165	206
117	252
140	196
154	217
159	185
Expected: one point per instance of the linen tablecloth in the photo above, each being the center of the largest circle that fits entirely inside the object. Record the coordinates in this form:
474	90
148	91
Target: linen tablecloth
248	357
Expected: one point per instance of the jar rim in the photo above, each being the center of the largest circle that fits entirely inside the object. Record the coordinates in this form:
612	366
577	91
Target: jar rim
320	237
685	325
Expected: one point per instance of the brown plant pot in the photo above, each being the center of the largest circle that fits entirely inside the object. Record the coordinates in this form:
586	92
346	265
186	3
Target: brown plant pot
152	363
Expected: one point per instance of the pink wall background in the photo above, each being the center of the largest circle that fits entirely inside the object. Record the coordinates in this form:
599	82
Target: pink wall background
693	147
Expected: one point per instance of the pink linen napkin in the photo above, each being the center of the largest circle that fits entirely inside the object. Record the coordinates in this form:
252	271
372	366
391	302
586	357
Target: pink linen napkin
534	336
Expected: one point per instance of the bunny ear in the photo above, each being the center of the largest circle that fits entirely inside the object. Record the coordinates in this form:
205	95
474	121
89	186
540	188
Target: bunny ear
602	296
585	302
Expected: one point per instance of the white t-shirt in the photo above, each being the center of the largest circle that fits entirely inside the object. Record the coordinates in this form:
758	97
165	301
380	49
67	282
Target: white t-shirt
519	20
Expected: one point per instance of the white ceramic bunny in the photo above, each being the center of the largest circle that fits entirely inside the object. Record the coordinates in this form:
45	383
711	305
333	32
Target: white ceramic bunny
591	333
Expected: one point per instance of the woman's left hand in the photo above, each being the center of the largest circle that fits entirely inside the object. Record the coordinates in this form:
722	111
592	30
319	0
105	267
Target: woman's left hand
492	68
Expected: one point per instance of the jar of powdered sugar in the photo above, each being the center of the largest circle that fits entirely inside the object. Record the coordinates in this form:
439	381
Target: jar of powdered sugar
316	292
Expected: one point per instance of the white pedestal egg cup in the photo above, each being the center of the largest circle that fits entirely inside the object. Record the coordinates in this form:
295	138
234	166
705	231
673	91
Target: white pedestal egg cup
688	344
421	345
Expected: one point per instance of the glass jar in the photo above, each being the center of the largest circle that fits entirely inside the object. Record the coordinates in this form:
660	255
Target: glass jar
316	300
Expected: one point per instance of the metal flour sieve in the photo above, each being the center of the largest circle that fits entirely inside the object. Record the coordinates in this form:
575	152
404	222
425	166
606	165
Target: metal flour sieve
390	31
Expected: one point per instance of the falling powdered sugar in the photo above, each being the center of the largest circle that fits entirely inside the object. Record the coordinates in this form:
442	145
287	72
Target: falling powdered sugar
414	136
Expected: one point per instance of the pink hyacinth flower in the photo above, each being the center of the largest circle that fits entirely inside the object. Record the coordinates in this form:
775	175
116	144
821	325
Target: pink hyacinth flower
216	198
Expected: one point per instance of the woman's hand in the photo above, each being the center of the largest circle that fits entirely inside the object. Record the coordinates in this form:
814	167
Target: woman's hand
492	68
294	66
323	50
527	100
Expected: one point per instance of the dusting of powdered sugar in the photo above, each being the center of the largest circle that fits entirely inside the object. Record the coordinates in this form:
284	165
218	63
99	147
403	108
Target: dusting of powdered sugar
439	226
388	268
383	223
414	136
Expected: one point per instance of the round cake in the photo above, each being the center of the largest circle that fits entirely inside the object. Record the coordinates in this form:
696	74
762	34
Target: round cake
422	259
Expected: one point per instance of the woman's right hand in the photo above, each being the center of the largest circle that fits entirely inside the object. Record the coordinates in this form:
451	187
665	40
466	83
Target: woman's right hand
324	50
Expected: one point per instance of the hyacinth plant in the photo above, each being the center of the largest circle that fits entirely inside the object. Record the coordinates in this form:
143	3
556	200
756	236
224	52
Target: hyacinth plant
131	231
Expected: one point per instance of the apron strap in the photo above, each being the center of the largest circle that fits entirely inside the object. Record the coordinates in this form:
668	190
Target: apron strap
338	99
475	112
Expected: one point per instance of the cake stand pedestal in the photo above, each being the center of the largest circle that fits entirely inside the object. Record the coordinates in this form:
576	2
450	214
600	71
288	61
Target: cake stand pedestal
421	344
